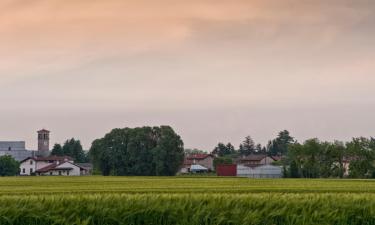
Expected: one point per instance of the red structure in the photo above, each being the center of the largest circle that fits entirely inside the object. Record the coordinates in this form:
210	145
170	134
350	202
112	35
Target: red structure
226	170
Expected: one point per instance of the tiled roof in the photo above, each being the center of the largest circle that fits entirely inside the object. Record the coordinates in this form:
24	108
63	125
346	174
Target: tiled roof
47	168
198	156
253	158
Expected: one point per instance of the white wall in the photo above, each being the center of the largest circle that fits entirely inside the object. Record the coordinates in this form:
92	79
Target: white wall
76	171
29	166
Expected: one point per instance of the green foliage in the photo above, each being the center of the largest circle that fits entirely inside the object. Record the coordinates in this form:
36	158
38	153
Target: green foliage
362	154
72	148
156	151
185	201
9	166
194	151
279	146
314	159
247	147
224	150
57	150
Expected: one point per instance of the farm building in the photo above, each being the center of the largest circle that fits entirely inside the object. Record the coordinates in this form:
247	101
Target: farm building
226	170
255	160
52	165
263	171
204	160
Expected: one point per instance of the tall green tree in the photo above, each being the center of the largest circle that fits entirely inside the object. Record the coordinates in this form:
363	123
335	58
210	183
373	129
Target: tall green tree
57	150
247	147
362	154
72	148
144	151
279	146
224	150
9	166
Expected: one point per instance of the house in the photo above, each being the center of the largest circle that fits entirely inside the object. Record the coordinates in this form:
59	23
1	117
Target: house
52	165
204	160
63	169
255	160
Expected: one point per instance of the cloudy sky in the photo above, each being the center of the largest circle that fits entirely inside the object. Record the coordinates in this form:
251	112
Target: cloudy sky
215	70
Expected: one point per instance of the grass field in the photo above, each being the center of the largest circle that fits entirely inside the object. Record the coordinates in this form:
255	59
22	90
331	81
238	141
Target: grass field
179	200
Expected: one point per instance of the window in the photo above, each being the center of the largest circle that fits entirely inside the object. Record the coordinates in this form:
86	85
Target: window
67	173
59	173
50	173
31	170
31	162
10	149
23	170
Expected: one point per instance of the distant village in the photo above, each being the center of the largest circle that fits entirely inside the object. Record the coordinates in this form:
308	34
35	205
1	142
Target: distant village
283	157
40	162
252	166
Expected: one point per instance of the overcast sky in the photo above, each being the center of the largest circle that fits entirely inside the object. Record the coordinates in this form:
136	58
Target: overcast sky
215	70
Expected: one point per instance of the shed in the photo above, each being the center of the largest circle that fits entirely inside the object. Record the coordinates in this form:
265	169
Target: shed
229	170
264	171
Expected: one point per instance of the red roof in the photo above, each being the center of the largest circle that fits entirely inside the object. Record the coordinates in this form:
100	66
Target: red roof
277	157
47	168
253	158
198	156
54	165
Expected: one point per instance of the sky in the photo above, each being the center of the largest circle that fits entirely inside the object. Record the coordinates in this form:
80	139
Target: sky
214	70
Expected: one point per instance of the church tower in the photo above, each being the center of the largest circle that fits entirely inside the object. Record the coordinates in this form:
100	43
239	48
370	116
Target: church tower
43	141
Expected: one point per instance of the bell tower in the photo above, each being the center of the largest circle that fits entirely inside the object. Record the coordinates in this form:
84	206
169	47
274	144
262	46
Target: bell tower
43	141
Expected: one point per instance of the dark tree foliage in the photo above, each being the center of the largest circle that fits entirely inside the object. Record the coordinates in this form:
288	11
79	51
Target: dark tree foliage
9	166
57	150
316	159
224	150
194	151
294	171
361	151
145	151
72	148
279	146
247	147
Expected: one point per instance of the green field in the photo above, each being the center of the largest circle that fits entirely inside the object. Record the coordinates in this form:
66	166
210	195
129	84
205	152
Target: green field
185	200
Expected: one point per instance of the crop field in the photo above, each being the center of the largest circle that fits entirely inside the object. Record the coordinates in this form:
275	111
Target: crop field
185	200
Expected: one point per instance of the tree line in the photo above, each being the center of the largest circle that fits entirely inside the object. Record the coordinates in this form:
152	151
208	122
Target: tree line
310	159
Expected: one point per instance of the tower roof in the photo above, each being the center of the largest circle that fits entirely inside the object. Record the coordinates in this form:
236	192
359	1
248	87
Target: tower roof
43	131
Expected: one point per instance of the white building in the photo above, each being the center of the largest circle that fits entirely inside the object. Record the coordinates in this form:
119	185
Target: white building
51	166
